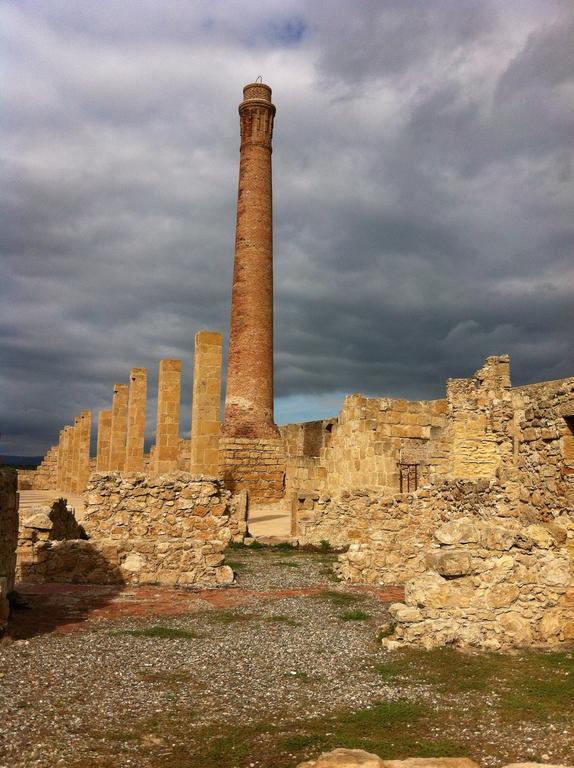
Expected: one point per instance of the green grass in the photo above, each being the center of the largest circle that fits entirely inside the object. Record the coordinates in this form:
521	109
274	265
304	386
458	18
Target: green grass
529	686
236	565
501	691
354	615
230	617
280	619
163	632
298	742
340	598
287	564
391	670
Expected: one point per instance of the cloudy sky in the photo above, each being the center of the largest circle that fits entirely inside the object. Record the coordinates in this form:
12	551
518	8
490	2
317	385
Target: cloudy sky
423	193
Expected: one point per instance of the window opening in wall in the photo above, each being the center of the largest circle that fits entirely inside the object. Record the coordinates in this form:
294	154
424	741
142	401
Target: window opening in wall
568	441
408	477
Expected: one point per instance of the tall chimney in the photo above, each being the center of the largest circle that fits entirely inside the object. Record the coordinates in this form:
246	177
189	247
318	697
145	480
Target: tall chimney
249	396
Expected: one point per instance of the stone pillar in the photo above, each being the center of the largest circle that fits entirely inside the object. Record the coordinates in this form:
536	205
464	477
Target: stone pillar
68	454
75	456
104	434
136	420
61	459
206	406
167	430
249	396
119	428
83	472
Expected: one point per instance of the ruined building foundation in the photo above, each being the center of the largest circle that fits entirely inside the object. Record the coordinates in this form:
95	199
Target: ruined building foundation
467	499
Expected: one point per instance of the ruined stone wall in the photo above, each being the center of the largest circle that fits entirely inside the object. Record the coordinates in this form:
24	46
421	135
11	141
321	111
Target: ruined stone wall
26	479
140	530
389	535
480	429
8	538
544	446
42	524
45	477
387	444
364	446
492	583
183	455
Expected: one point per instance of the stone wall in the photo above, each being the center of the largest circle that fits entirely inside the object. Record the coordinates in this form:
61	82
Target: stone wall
492	583
8	538
390	535
43	524
46	476
544	446
139	530
254	465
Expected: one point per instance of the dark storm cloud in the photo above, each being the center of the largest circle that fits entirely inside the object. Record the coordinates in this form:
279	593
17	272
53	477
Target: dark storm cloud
423	195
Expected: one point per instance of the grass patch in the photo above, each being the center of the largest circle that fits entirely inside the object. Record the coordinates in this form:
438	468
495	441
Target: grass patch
341	598
297	742
230	617
285	546
287	564
283	620
530	686
236	565
163	632
354	615
390	670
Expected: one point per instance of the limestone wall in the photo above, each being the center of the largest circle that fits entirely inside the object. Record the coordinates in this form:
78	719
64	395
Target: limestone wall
140	530
365	445
44	477
544	446
390	535
8	538
492	583
254	465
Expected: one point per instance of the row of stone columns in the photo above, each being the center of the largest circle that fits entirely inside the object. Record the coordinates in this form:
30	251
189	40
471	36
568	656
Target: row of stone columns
121	430
120	446
73	467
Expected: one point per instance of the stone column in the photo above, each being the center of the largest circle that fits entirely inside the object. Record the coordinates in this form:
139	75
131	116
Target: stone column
119	428
85	430
75	456
68	452
249	396
136	420
104	434
206	406
61	459
167	430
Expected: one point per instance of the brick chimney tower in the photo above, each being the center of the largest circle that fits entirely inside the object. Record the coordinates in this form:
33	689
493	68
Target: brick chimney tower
249	396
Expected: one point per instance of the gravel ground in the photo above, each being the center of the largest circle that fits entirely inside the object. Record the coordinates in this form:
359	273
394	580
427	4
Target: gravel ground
78	699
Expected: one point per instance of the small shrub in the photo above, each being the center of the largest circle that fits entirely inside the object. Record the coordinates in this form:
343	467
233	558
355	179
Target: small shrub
325	545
